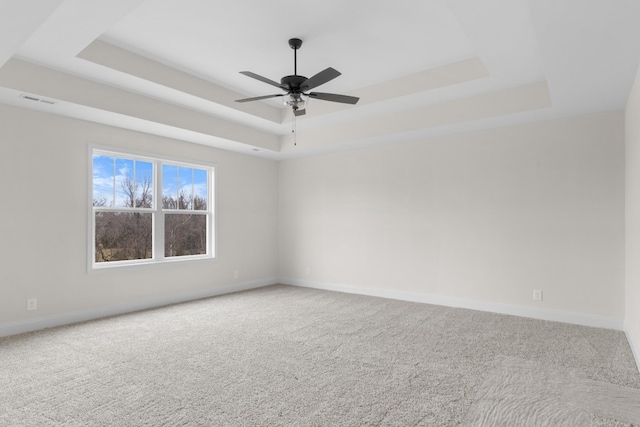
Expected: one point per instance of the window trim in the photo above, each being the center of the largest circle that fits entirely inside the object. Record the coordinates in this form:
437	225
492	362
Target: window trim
157	211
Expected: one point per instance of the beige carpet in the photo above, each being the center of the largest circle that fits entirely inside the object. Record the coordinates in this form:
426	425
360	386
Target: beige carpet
286	356
520	392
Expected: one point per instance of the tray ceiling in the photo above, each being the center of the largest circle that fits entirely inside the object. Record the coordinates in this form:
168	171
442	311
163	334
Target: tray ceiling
421	69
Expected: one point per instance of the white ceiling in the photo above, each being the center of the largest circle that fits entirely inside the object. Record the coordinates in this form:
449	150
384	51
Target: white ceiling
421	68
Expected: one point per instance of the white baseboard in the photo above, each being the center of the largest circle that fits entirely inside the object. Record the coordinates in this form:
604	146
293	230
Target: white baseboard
30	325
634	346
514	310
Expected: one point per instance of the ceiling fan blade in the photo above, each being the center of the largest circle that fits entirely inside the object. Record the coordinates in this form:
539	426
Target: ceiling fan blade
319	79
333	97
299	112
263	79
257	98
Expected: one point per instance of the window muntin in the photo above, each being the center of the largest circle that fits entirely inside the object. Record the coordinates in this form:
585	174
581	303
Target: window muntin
131	224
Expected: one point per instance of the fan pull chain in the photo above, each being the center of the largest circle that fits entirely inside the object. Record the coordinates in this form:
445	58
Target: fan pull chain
293	127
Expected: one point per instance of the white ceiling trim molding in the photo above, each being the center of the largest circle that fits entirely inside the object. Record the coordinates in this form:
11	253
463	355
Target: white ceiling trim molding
456	73
116	58
493	104
33	79
41	81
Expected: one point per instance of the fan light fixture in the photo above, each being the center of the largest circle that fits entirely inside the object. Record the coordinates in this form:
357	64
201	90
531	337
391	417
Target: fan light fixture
298	101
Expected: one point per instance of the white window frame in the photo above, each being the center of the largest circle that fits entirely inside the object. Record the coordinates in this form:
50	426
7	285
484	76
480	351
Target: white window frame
157	211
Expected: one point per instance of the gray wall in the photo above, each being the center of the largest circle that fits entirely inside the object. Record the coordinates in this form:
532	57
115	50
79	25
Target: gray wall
485	216
632	157
44	173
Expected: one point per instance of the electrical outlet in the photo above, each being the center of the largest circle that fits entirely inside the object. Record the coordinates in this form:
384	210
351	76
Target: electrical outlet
32	304
308	271
537	295
236	274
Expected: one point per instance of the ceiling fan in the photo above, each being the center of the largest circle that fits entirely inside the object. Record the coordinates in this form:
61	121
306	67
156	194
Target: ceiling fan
297	87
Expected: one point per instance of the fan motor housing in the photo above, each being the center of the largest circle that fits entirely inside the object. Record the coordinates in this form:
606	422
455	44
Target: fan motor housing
293	82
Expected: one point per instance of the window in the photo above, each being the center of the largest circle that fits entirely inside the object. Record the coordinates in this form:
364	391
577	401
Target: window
149	210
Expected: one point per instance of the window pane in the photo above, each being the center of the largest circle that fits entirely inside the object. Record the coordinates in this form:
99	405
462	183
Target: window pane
201	189
144	184
185	234
184	188
169	187
103	180
122	236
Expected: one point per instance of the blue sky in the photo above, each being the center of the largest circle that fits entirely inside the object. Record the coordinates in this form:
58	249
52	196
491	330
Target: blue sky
178	178
109	173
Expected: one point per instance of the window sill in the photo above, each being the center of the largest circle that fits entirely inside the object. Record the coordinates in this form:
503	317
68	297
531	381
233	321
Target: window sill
118	265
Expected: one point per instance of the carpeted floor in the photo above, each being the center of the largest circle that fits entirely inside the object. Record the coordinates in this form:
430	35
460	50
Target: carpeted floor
287	356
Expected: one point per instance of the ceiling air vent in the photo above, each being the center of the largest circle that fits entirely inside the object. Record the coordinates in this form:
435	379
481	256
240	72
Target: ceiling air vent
36	99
